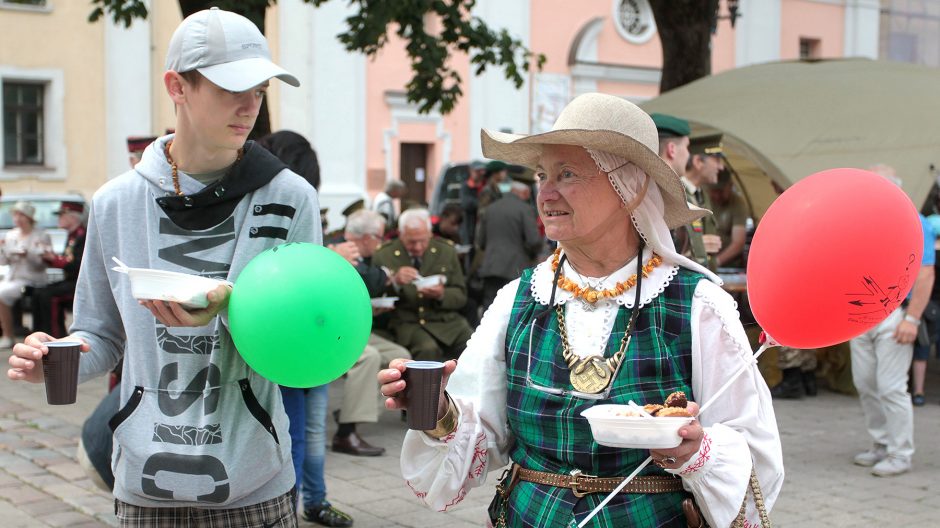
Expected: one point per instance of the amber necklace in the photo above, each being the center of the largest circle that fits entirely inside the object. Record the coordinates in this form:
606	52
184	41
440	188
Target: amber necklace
175	170
588	294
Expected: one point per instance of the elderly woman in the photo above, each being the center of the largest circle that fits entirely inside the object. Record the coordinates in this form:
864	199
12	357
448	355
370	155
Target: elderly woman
22	250
581	329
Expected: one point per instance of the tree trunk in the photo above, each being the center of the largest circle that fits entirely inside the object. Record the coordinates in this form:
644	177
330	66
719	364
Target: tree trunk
253	10
685	31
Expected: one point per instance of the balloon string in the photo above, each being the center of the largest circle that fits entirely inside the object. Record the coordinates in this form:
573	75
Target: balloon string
769	343
735	376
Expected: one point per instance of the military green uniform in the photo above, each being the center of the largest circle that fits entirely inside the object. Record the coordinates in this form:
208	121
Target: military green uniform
431	329
734	213
690	242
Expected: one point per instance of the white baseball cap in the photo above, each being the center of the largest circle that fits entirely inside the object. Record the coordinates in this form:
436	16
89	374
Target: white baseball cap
225	48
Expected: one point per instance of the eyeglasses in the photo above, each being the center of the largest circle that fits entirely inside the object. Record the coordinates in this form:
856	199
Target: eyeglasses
555	391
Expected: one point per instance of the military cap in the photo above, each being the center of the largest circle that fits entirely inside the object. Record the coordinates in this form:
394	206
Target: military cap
707	145
353	207
477	165
671	126
139	143
496	166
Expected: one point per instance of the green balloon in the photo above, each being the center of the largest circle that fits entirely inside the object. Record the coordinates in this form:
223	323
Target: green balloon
300	315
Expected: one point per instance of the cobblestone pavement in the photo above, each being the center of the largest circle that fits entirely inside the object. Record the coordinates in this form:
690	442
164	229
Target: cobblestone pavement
41	484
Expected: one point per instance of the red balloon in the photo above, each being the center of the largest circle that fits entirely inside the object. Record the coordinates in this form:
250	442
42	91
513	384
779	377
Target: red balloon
832	257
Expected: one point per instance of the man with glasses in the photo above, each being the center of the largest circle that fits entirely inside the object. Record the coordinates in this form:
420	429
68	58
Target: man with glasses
363	235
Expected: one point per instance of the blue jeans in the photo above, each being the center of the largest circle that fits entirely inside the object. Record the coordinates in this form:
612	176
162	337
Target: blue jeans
306	409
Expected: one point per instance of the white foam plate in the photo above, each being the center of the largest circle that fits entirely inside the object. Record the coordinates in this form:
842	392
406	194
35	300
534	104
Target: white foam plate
618	426
384	302
190	291
428	282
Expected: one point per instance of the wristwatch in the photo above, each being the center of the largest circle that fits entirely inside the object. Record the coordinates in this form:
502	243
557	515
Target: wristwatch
911	319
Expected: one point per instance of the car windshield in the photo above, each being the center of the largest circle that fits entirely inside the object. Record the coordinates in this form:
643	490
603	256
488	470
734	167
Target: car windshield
44	213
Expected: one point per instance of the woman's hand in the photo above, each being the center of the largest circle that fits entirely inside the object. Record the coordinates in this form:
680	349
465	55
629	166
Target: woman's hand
393	386
691	443
173	314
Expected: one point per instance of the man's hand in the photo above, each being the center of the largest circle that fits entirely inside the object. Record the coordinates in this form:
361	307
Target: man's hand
405	275
905	333
712	243
173	314
347	250
433	292
28	355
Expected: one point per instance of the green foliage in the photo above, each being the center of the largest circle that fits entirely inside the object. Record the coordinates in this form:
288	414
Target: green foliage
122	11
435	84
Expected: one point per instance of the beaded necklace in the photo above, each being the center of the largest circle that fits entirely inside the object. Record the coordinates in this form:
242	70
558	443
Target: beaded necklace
588	294
175	170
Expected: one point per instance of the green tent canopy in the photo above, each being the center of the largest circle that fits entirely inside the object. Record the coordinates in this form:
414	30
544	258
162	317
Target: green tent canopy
783	121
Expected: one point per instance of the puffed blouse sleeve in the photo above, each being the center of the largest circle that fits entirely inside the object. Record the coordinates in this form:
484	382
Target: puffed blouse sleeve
441	472
740	426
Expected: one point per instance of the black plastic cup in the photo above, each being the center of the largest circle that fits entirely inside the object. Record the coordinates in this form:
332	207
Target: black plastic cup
60	370
423	393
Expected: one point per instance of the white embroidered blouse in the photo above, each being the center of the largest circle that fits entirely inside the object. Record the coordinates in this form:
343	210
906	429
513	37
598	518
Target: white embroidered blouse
739	427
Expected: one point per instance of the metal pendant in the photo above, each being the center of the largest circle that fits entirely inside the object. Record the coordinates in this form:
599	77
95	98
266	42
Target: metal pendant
591	375
588	299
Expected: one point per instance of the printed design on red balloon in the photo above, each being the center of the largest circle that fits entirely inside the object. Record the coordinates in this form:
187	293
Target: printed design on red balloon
877	302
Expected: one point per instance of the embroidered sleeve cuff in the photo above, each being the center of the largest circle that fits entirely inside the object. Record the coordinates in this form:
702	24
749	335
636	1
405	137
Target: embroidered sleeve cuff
699	463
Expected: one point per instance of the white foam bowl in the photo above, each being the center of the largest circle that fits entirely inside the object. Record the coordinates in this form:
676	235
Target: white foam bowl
384	302
188	290
429	282
619	426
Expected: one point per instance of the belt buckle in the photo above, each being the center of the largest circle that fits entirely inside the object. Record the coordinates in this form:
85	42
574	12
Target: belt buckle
575	482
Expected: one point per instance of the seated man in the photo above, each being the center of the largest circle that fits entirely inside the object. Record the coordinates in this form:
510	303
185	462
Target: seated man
72	219
427	321
363	234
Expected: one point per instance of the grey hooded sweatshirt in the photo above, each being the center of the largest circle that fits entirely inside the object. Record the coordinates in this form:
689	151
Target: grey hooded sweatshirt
196	426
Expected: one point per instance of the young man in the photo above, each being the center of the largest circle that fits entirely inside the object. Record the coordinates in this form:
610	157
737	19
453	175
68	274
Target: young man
200	438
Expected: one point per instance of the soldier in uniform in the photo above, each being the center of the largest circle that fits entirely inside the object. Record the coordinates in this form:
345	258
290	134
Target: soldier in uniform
674	149
701	240
427	321
350	209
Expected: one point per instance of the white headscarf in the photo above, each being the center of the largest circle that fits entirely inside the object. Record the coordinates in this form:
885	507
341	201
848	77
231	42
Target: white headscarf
649	215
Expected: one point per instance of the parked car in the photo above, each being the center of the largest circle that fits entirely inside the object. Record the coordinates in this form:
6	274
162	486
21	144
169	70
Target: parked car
447	188
46	205
450	180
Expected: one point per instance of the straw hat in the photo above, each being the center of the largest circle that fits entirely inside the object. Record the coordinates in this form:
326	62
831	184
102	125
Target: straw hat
609	124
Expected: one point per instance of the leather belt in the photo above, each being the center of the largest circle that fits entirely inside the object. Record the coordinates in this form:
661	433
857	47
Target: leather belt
582	484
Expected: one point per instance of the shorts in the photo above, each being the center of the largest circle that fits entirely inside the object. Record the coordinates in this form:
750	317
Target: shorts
277	512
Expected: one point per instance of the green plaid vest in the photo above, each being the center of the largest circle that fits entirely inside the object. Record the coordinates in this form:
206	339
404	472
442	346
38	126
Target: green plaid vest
550	433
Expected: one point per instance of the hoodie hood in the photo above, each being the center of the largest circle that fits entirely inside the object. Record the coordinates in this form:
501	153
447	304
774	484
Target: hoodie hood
202	207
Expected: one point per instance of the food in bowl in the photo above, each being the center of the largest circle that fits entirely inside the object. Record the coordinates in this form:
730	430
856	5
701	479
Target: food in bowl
622	426
626	426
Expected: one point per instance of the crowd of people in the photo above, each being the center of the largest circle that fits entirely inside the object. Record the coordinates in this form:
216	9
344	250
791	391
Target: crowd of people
578	267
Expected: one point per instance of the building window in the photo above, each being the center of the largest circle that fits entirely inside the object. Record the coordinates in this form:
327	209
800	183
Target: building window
23	123
634	20
809	48
910	31
26	4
